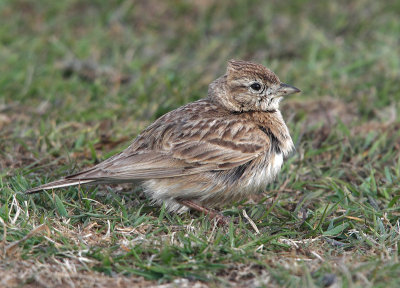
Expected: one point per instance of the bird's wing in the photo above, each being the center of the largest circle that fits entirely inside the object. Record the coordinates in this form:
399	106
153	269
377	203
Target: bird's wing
183	148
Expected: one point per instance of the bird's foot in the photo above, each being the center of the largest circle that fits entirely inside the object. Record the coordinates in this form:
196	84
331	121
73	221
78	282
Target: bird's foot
212	214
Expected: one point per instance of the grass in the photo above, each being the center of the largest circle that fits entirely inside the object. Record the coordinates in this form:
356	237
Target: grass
80	79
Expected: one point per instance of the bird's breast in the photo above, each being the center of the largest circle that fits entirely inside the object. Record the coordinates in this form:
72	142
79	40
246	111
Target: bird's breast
265	171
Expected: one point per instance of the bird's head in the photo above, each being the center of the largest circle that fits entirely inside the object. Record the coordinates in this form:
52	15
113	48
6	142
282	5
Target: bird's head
250	87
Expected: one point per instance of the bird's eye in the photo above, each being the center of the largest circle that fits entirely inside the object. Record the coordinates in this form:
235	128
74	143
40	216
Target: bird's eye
256	86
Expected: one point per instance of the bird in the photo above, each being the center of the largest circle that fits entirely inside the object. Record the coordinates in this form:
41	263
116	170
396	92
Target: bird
208	153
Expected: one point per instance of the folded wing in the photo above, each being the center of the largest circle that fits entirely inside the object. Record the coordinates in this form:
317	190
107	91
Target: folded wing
183	150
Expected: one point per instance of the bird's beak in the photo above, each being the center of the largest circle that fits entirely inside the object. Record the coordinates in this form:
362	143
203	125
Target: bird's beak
285	89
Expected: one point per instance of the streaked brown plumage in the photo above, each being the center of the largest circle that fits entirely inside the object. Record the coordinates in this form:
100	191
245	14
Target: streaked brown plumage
209	152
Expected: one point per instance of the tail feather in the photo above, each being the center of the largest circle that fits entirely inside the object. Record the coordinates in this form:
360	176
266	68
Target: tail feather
58	184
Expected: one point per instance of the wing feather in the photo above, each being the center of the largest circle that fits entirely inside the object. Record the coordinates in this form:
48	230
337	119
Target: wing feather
174	146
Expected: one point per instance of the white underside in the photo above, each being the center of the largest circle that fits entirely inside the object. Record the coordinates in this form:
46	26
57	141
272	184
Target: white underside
166	194
264	176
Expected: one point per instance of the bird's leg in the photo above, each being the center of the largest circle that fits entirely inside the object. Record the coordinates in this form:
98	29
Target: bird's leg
221	219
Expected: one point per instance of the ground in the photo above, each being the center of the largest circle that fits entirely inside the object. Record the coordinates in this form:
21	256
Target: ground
80	79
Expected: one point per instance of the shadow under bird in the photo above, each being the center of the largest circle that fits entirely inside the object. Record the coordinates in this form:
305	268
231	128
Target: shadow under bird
216	150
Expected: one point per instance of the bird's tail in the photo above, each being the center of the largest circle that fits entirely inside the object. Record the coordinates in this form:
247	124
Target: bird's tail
58	184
